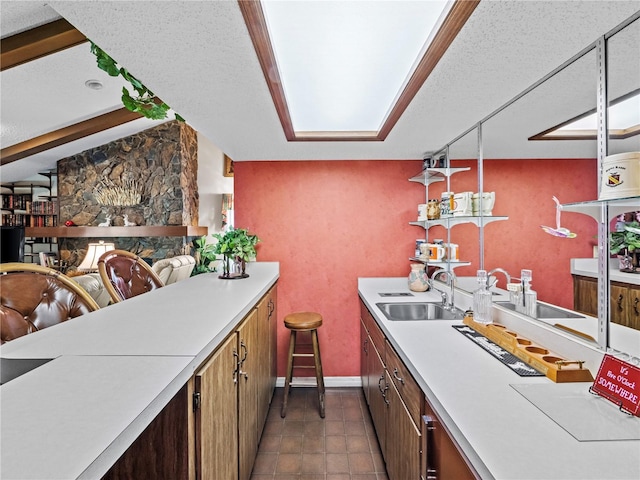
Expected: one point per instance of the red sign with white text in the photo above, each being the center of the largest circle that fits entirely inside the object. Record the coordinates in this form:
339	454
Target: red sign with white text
619	382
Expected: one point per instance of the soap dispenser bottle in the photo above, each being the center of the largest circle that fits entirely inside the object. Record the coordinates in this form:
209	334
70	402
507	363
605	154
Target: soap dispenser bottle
482	300
528	298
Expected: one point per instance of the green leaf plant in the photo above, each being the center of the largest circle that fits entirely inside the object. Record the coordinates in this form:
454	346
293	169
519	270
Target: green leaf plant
204	254
236	243
143	101
628	239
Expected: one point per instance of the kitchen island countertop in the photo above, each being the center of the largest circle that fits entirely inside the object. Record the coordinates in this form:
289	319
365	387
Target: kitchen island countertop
113	371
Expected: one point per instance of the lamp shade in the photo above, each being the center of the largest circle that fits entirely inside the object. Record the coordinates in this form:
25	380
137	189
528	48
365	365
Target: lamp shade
94	252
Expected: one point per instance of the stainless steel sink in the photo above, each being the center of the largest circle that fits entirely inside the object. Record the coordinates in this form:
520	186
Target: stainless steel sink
418	311
545	311
11	368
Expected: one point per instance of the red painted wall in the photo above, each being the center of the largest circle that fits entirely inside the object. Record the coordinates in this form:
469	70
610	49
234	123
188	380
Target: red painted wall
330	222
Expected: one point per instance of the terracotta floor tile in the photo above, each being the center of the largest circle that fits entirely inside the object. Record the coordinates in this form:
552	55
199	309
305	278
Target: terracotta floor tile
313	463
289	463
353	414
295	413
293	427
291	444
313	444
270	443
335	413
334	428
335	444
361	463
303	446
314	428
337	463
312	476
358	444
354	428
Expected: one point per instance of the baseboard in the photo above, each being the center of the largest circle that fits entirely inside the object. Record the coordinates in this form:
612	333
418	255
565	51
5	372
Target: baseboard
328	381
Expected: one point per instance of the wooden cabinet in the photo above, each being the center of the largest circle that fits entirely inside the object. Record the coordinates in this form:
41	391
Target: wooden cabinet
267	373
248	379
216	414
441	459
403	437
624	301
364	360
412	449
398	434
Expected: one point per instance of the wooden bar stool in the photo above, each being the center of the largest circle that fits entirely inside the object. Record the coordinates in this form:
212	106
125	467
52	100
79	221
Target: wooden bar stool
303	322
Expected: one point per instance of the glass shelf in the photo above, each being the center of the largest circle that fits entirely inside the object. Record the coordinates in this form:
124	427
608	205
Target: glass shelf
433	175
449	222
441	263
593	208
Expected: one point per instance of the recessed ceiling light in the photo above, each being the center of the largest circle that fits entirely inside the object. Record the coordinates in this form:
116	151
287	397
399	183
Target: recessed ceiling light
93	84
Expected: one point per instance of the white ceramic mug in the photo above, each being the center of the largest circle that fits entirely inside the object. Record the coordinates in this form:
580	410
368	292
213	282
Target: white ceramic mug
462	204
431	251
422	212
488	201
452	251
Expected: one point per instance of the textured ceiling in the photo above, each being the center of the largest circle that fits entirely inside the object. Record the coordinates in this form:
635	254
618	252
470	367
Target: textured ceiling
197	56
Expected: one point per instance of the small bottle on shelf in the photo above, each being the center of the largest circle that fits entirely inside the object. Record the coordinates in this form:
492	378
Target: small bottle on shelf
482	300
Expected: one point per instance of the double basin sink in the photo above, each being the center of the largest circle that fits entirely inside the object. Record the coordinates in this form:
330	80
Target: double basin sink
436	311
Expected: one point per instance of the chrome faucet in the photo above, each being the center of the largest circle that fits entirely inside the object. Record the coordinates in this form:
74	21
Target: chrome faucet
495	270
447	303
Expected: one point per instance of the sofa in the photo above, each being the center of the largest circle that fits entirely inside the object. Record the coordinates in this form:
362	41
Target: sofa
92	284
174	269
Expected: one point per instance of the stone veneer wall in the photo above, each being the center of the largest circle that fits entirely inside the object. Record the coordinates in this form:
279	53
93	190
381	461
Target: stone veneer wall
162	160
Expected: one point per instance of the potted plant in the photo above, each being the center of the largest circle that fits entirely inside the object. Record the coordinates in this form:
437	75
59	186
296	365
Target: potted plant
626	244
204	254
236	245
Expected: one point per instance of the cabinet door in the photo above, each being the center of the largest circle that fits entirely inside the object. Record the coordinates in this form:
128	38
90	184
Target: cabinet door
273	339
403	438
585	295
377	394
216	418
364	360
247	394
620	304
264	367
441	459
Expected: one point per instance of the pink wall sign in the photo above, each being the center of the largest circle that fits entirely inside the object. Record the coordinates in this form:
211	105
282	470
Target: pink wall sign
619	382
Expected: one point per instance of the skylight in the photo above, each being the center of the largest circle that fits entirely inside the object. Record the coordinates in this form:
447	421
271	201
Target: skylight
342	64
347	70
624	122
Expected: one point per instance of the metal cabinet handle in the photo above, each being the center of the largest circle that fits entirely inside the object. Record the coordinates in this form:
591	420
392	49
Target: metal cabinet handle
429	422
243	347
383	391
620	298
364	346
635	305
237	369
395	375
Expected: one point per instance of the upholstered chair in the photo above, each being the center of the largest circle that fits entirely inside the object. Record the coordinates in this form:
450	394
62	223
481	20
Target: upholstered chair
174	269
125	275
33	297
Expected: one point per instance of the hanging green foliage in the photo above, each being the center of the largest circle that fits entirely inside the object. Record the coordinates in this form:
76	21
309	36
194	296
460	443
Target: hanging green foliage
144	101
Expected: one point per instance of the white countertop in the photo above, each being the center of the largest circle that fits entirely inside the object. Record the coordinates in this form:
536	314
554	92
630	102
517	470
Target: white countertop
113	371
502	433
588	267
